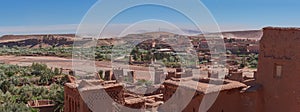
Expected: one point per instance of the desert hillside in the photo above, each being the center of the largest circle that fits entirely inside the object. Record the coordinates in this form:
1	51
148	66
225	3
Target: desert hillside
57	40
33	41
249	34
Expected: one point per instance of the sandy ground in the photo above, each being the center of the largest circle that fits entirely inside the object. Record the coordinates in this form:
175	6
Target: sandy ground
85	66
91	66
28	60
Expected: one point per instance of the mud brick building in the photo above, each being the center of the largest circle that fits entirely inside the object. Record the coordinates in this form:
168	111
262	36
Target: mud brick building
279	68
91	91
275	87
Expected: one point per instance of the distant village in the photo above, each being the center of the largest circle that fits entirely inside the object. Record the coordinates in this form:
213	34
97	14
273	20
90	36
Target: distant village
273	87
169	72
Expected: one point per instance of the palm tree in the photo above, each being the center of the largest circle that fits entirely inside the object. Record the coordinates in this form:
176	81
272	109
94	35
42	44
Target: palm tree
57	95
59	102
4	85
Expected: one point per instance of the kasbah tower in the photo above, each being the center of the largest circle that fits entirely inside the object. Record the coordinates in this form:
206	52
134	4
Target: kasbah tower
279	69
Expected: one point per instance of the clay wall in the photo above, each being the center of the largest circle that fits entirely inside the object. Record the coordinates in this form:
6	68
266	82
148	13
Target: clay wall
278	69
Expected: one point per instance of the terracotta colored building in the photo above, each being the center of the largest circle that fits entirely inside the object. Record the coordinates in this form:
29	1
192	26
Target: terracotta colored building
91	91
73	101
230	92
274	88
276	84
278	69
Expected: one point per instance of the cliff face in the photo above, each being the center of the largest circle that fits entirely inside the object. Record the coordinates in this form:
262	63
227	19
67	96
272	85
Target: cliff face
57	40
37	40
23	37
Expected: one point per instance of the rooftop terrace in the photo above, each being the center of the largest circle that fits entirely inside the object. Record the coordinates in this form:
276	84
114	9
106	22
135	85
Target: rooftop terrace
203	84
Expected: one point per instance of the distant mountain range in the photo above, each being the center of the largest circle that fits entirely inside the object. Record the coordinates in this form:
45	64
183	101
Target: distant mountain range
62	39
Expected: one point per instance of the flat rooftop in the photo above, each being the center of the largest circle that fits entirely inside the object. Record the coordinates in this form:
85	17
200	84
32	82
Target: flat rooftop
86	85
202	85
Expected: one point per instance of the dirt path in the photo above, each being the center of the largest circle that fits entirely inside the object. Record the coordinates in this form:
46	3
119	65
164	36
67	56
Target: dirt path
65	63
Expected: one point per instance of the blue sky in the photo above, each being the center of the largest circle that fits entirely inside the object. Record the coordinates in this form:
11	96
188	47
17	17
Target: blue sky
63	16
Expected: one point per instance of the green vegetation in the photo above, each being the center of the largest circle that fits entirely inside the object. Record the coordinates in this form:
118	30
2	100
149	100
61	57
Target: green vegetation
250	61
168	59
20	84
144	82
50	51
101	53
100	73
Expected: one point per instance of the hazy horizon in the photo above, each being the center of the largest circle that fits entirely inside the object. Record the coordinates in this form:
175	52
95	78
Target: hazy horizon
132	33
61	17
